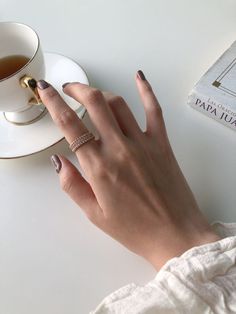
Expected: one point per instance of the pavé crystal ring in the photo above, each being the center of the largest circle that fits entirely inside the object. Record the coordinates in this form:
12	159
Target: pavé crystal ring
79	141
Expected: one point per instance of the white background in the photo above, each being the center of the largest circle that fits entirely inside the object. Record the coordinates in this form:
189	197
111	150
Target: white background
52	260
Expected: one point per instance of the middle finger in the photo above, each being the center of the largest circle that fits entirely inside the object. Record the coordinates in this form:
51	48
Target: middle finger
98	109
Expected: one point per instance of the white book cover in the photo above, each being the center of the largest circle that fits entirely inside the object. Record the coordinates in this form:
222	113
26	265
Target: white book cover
215	93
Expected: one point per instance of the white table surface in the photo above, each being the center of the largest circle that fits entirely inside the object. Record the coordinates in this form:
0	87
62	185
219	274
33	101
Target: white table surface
52	260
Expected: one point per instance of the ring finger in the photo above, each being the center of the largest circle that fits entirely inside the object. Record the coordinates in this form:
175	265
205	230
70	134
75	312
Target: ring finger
124	116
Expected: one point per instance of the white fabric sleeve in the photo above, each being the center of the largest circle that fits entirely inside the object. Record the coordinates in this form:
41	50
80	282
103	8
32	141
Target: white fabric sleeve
202	280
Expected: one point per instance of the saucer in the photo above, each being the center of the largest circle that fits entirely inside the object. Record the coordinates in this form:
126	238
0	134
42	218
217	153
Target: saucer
19	141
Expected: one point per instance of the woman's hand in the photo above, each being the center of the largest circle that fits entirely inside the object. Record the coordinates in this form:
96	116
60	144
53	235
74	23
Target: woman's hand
134	189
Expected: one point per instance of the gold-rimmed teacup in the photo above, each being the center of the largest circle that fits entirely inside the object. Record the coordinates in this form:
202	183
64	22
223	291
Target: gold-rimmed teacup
19	99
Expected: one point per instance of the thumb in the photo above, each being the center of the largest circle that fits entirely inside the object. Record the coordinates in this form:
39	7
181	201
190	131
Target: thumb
73	183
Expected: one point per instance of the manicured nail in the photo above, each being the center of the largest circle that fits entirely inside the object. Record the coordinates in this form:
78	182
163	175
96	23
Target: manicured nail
64	85
42	84
141	75
56	163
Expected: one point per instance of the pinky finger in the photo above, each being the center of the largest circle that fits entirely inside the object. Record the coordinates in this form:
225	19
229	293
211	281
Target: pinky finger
73	183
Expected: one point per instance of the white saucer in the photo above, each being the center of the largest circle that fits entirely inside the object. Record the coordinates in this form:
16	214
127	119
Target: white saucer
19	141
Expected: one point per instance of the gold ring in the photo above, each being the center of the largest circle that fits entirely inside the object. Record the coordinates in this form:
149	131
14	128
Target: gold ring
79	141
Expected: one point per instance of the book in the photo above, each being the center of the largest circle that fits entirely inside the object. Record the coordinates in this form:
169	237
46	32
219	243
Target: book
215	93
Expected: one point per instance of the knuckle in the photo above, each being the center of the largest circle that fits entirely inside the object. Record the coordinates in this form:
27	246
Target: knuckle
124	153
65	117
117	100
50	94
94	95
101	169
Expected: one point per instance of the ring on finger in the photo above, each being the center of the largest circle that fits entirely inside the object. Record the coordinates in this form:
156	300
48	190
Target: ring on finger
81	140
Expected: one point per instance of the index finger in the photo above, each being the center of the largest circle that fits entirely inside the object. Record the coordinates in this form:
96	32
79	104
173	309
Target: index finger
64	117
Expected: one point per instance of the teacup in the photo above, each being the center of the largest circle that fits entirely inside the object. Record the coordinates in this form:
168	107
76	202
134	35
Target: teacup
20	49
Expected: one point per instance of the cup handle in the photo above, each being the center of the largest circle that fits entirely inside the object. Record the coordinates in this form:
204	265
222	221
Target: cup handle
27	81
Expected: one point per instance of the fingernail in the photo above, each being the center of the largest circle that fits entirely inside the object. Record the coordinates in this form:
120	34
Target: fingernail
56	163
42	84
141	75
64	85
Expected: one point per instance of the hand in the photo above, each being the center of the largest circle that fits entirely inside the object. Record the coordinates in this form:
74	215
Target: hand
133	188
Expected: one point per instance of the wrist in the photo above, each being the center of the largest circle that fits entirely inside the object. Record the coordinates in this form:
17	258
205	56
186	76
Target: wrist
175	242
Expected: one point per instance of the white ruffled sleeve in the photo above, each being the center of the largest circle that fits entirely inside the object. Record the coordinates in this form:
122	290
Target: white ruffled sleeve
202	280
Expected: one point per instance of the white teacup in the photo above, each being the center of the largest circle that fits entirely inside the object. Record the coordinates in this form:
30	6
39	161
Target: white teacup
19	99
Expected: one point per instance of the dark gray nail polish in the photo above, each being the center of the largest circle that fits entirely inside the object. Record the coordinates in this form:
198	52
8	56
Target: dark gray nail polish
64	85
141	75
56	163
42	84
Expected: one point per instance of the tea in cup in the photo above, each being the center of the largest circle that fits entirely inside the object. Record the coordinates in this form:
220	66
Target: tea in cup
21	65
